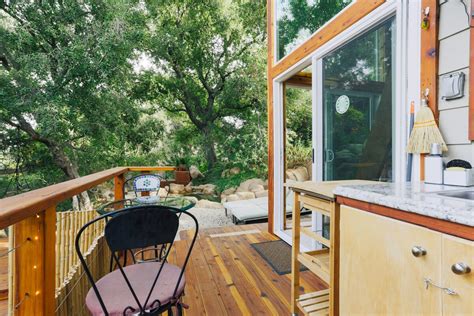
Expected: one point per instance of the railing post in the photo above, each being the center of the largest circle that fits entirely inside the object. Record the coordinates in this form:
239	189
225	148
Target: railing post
118	187
34	281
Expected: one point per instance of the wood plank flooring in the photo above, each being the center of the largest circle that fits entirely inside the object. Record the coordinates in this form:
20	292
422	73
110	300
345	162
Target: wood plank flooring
226	276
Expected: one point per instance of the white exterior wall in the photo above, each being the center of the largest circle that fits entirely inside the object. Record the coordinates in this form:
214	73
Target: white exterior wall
454	56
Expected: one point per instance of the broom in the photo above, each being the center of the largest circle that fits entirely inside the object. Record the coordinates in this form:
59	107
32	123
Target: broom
425	132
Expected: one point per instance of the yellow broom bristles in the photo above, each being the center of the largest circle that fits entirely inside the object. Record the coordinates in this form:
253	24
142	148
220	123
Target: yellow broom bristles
425	132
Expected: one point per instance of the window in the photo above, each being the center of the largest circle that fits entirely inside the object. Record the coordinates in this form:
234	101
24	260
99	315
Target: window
297	20
358	100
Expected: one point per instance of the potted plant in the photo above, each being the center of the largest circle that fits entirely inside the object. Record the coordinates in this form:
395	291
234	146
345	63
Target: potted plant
182	175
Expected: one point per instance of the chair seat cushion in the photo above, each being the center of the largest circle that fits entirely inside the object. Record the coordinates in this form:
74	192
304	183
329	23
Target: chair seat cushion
117	296
153	199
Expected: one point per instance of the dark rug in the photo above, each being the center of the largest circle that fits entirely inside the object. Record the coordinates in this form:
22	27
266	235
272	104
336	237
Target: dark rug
278	255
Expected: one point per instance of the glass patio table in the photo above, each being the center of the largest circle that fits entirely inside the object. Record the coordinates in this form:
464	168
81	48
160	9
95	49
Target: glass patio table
179	202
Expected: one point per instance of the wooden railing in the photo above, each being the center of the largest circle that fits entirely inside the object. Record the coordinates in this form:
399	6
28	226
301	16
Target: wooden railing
33	216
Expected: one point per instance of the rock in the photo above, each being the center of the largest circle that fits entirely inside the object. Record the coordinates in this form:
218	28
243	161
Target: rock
301	174
223	198
176	188
162	192
232	197
260	194
244	186
188	188
208	189
208	204
245	195
194	172
265	185
290	175
229	191
254	187
225	173
234	171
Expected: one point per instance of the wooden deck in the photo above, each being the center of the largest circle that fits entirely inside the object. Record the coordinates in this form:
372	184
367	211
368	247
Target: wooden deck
226	276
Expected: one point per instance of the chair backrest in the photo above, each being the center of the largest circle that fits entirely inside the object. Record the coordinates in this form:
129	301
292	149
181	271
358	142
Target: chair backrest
139	227
143	183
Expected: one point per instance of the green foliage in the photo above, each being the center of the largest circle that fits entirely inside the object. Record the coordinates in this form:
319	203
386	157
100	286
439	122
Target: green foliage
303	16
298	155
211	66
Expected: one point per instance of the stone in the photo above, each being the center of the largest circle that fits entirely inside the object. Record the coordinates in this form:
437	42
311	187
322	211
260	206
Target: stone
208	204
290	175
254	187
162	192
232	197
208	189
188	188
229	191
225	173
301	174
245	195
176	188
260	194
244	186
234	171
194	172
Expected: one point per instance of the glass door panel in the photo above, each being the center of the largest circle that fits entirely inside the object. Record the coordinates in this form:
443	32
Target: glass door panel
357	107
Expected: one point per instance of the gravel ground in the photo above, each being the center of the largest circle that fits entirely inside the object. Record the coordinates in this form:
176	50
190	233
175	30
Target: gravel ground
206	217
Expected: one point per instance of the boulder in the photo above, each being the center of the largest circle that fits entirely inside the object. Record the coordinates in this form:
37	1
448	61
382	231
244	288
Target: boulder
290	175
301	174
260	194
234	171
208	204
246	195
232	197
176	188
244	186
208	189
194	172
162	192
254	187
188	188
229	191
225	173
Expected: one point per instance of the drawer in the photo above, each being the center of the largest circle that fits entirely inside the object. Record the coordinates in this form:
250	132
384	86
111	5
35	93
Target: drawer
457	250
315	204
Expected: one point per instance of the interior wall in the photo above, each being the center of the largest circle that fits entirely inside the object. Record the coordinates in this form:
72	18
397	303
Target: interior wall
454	56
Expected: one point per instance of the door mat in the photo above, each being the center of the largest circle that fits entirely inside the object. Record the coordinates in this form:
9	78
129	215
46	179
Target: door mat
278	255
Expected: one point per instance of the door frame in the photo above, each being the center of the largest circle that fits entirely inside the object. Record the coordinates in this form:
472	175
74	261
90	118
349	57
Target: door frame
406	89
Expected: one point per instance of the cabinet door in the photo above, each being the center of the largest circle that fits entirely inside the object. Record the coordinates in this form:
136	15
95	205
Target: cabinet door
378	273
456	250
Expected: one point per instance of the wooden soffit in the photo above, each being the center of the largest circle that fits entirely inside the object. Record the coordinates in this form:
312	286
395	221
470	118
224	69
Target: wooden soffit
341	22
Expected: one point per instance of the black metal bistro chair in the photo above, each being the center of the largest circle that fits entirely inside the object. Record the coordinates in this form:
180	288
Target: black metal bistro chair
147	288
150	183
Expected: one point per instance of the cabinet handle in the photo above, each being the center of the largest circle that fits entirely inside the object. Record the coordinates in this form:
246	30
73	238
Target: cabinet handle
460	268
447	290
418	251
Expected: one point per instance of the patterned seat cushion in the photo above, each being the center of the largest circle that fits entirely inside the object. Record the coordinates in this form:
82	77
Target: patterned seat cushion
117	296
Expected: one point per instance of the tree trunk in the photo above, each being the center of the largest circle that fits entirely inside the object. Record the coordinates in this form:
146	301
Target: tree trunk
81	201
209	147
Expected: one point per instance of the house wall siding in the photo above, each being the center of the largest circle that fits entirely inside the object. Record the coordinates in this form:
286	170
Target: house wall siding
454	48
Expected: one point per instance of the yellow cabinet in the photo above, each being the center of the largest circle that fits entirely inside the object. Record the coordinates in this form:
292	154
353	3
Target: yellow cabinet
391	267
459	253
378	272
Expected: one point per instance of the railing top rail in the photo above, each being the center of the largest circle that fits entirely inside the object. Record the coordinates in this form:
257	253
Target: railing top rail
160	168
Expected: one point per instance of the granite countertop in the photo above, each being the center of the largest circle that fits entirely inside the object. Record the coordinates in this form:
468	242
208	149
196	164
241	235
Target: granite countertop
417	198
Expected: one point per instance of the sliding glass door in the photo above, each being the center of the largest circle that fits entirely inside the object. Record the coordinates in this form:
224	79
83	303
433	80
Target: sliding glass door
357	109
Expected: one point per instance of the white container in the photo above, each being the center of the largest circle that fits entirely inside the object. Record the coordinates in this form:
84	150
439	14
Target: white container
434	165
463	178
